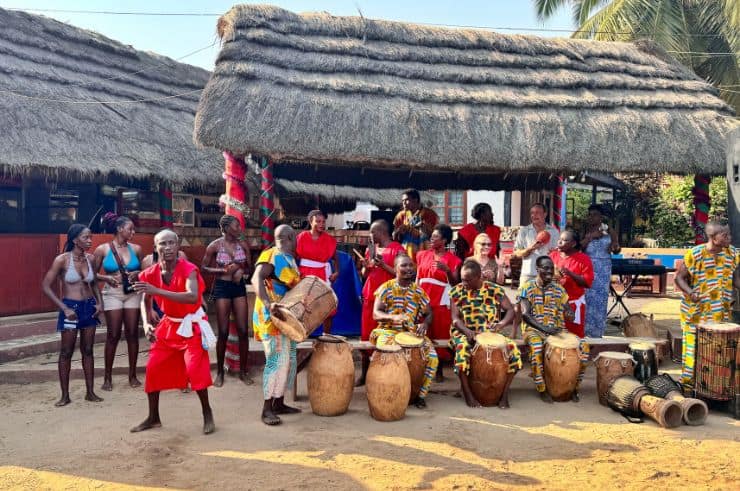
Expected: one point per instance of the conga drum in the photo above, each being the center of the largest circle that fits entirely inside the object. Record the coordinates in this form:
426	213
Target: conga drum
629	397
331	376
562	364
639	325
646	361
413	349
718	361
489	366
388	383
609	366
305	307
694	410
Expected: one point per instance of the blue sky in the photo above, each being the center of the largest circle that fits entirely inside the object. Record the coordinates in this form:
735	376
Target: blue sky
175	36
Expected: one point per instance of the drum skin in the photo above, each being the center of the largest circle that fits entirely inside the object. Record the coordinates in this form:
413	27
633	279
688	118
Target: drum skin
609	366
639	325
388	385
562	364
331	378
646	360
305	307
489	367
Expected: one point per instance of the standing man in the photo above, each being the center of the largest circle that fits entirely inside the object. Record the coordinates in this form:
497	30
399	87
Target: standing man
706	279
401	305
179	352
574	271
413	225
544	305
528	247
275	274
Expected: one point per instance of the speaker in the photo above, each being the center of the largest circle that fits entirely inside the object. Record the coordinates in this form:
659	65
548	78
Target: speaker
387	215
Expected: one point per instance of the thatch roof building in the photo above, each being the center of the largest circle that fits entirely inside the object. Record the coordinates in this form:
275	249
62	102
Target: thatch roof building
372	97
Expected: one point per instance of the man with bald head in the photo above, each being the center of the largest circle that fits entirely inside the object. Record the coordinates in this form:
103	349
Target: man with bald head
706	279
180	342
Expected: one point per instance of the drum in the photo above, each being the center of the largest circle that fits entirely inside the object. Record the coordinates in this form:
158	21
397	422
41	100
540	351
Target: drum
331	376
489	365
305	307
694	411
639	325
562	364
413	348
388	383
629	397
610	365
718	361
646	361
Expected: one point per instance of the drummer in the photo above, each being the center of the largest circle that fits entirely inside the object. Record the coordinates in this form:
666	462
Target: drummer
574	271
401	305
544	305
475	306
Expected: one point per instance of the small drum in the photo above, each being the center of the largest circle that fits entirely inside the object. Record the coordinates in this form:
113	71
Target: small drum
562	364
388	383
413	348
331	376
305	307
639	325
718	361
694	410
646	361
489	365
609	366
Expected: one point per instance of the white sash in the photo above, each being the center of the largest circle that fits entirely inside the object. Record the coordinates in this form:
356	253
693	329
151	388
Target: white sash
208	339
309	263
577	304
445	294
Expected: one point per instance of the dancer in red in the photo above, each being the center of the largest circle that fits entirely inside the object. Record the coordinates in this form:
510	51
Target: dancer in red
179	348
315	249
574	271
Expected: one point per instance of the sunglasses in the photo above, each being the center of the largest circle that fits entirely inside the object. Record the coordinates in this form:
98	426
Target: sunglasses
486	244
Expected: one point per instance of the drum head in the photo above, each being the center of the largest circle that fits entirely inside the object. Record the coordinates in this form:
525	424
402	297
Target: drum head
720	326
291	326
332	338
388	348
492	339
565	340
642	346
408	340
615	355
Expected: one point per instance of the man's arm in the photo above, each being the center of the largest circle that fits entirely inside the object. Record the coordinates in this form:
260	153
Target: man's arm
530	320
379	313
682	281
190	295
459	324
508	317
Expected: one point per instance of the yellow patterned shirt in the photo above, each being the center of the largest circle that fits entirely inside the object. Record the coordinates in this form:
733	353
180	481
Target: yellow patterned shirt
480	309
411	301
711	276
547	304
284	277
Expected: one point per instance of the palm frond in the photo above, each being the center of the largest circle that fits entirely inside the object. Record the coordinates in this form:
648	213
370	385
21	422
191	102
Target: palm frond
546	8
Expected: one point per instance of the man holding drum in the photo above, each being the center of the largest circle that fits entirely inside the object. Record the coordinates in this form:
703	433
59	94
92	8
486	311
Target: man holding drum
413	225
401	305
545	308
475	306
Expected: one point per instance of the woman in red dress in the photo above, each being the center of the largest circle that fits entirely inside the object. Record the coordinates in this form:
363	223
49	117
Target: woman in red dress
483	216
437	270
315	249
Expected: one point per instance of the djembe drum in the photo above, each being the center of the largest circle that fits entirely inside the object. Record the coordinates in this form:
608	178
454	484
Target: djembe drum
413	349
718	361
305	307
489	366
562	365
629	397
694	410
610	365
639	325
331	376
646	359
388	383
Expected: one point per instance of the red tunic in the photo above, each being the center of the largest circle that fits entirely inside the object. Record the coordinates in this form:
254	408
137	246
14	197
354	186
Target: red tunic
376	276
580	264
469	232
175	360
321	250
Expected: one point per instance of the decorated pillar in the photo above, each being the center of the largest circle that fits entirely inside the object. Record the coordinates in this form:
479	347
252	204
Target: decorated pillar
559	210
165	205
267	203
235	198
702	203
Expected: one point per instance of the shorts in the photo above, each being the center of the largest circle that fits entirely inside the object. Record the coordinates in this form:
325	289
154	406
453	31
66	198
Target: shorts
229	289
115	299
84	310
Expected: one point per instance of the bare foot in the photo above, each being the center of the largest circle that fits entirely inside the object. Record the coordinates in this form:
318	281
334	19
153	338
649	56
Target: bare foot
244	377
208	424
148	424
107	385
471	402
270	419
134	382
219	382
92	397
63	401
576	396
546	397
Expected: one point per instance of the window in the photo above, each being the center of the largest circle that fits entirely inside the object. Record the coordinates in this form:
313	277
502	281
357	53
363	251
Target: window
183	209
10	207
450	206
63	205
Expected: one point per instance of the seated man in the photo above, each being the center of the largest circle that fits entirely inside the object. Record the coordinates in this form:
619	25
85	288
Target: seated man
475	306
401	305
545	308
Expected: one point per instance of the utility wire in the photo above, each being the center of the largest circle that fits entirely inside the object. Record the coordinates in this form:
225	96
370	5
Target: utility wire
107	103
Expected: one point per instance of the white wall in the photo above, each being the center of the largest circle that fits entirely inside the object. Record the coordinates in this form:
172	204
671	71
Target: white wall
516	208
493	198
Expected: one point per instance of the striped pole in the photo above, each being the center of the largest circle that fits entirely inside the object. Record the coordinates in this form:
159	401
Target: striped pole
267	203
235	198
702	203
560	217
165	205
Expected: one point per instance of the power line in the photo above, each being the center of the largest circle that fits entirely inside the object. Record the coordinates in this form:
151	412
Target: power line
71	101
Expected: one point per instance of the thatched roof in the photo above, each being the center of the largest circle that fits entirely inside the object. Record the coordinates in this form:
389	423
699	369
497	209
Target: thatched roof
348	91
52	78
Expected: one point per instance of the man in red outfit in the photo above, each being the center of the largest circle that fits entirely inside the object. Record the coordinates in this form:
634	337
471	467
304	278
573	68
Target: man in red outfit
574	271
178	354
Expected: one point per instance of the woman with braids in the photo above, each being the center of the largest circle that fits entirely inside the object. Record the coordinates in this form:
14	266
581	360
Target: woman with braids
230	259
483	215
78	310
315	249
121	262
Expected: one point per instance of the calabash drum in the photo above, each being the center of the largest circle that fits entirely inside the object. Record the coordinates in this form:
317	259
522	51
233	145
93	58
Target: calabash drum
413	349
646	361
489	365
694	410
629	397
388	383
562	364
305	307
331	376
639	325
609	366
718	361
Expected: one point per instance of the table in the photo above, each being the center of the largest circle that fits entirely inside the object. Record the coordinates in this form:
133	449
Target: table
632	268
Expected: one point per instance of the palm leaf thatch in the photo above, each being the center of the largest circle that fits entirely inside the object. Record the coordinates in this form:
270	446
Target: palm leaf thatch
383	96
77	103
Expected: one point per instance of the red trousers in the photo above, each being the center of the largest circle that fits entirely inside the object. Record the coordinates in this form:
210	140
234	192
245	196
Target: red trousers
175	361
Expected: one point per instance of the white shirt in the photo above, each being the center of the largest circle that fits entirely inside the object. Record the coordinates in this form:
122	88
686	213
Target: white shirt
526	237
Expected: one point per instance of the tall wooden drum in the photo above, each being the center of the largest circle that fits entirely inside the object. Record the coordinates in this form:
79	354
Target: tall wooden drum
305	307
388	383
609	366
639	325
562	364
718	361
489	366
645	355
331	376
413	348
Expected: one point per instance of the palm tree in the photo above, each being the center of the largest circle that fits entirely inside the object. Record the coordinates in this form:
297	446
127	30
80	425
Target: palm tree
704	35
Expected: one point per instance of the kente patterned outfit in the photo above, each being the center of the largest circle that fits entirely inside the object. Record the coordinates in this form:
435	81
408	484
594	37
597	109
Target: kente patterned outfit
228	288
176	358
280	350
415	240
113	297
711	276
597	297
315	255
435	283
85	309
480	309
412	302
376	276
580	264
470	231
547	306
